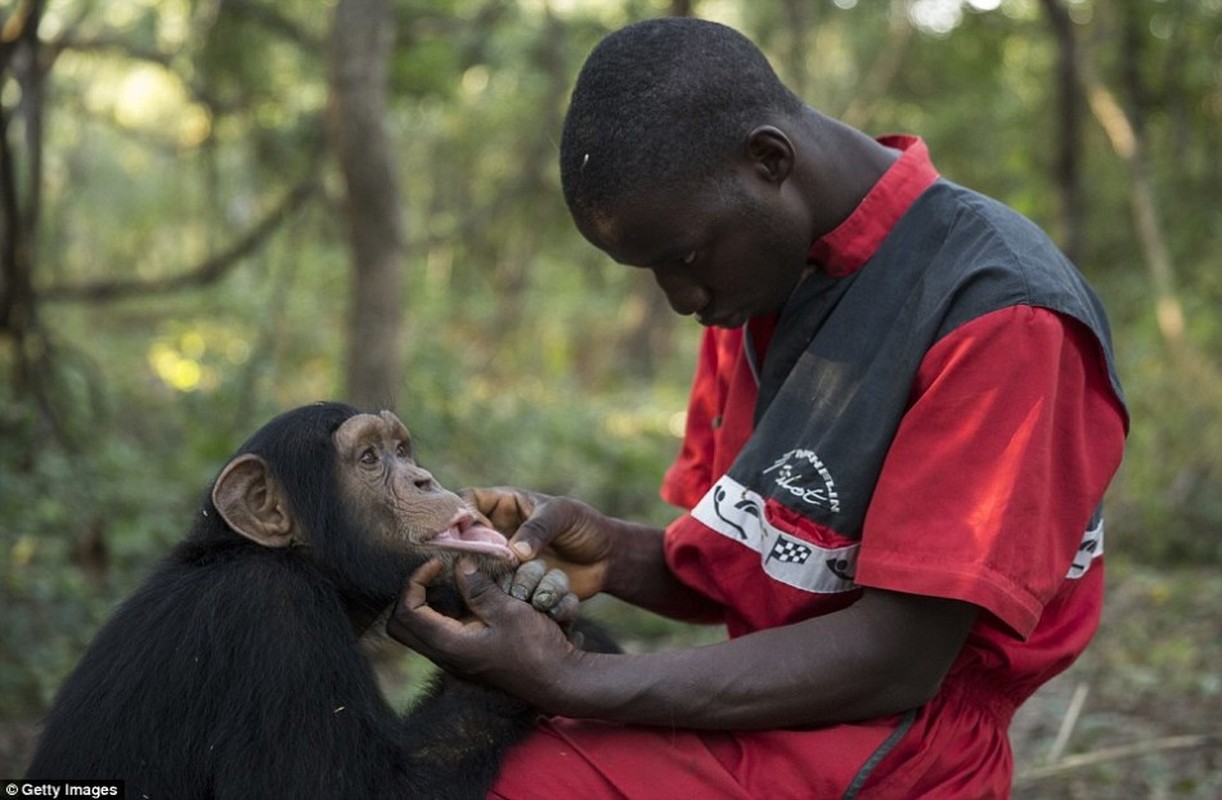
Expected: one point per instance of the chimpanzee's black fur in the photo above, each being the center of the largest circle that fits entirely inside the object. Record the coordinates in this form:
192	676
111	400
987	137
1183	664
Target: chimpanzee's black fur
235	671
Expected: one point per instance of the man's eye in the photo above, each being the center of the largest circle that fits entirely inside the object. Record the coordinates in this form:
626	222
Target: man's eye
689	258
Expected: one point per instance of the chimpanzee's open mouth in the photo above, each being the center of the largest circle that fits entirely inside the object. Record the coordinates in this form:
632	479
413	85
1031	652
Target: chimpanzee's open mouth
467	534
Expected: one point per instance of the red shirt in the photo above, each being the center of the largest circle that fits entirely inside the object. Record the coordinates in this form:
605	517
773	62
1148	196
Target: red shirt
1011	434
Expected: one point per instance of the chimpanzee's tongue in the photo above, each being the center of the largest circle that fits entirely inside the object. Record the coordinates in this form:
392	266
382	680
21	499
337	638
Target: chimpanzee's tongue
466	534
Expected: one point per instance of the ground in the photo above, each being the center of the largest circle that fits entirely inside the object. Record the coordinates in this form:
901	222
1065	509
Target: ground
1136	717
1149	692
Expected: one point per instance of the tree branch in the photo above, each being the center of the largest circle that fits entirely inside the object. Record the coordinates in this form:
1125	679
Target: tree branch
208	271
120	47
110	44
1123	752
273	21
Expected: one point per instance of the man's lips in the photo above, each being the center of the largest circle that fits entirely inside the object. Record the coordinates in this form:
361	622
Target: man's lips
467	534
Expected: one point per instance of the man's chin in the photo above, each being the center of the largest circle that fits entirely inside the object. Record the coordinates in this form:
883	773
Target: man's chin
727	321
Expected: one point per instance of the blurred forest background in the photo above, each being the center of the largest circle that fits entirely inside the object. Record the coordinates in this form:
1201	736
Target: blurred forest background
213	210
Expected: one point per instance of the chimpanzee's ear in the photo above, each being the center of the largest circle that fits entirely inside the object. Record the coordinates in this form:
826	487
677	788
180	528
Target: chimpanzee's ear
250	499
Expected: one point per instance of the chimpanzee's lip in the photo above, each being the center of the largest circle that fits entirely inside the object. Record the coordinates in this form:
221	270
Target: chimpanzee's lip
466	534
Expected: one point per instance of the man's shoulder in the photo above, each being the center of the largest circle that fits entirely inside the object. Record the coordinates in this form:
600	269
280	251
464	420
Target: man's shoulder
969	212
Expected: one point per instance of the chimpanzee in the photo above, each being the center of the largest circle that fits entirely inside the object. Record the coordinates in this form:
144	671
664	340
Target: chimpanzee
235	670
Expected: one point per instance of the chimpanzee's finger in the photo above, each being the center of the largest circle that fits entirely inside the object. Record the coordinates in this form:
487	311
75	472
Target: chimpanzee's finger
526	579
565	611
551	590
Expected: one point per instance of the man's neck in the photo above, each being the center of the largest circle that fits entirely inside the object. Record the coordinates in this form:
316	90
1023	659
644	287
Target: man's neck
840	166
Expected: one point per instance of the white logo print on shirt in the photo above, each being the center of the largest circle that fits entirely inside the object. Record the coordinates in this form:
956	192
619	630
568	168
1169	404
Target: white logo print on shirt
803	474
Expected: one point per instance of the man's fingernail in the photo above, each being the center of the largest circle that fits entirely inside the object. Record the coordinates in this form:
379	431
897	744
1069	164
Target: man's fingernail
522	549
467	566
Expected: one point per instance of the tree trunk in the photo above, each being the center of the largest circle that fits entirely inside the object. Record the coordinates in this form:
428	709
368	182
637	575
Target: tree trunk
19	205
361	46
1069	128
680	8
801	18
1126	132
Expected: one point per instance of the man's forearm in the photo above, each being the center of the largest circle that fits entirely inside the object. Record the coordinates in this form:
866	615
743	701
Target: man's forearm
881	658
638	574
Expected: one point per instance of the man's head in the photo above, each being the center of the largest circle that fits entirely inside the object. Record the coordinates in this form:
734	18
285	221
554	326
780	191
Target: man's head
661	104
675	157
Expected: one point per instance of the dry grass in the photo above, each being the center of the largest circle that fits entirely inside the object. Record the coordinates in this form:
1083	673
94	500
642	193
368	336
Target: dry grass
1148	718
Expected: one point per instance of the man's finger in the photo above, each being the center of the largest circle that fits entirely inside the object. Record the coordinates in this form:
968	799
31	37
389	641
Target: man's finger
415	594
483	596
504	507
536	532
413	613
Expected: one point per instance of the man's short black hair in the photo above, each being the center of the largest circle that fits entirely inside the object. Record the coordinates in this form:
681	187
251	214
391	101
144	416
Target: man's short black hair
664	103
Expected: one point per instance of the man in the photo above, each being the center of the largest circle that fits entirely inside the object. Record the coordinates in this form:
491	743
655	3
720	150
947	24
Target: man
903	420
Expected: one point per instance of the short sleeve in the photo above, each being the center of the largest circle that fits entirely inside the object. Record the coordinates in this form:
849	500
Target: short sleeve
1013	433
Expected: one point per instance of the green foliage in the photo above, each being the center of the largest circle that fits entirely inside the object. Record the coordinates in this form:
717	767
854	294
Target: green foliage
522	342
78	526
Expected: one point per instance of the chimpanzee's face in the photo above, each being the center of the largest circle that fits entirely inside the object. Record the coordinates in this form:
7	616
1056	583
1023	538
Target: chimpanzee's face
398	500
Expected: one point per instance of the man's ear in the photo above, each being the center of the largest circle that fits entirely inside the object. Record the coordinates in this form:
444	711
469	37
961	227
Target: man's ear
252	502
771	153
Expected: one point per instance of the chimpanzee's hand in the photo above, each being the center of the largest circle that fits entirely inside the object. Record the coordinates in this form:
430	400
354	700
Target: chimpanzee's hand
504	641
568	534
546	589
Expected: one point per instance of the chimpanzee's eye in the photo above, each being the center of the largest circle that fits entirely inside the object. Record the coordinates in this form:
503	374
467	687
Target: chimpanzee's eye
689	258
369	457
403	450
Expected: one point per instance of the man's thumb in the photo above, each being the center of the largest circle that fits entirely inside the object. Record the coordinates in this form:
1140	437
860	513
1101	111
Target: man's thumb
477	589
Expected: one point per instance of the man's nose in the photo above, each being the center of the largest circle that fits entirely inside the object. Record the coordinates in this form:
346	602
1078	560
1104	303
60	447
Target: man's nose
684	296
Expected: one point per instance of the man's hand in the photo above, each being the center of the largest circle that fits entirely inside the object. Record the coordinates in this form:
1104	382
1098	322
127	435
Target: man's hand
504	641
891	652
597	552
566	533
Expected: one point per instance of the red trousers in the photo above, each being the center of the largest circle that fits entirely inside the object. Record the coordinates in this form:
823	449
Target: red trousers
954	747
